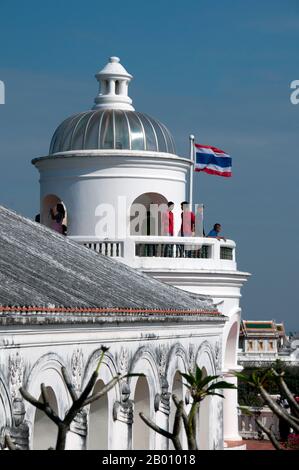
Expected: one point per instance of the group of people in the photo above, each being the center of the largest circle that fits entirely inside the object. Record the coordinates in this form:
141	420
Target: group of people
191	224
57	215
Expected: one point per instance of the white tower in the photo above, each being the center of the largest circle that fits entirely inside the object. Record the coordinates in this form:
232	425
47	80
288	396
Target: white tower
105	160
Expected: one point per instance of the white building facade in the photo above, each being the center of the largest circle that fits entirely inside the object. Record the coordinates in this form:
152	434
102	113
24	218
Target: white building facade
114	170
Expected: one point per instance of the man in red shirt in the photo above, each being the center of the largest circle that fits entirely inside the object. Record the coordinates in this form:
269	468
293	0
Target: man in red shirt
168	228
188	220
187	226
167	220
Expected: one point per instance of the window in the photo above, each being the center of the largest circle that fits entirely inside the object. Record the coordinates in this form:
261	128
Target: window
260	345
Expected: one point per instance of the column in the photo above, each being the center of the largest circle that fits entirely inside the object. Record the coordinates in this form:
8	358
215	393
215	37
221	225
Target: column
122	425
230	410
162	408
76	437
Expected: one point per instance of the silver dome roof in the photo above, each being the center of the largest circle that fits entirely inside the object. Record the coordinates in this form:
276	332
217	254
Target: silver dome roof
112	129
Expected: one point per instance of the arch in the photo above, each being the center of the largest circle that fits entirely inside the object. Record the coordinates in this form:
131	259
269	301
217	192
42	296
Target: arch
231	346
145	362
205	359
177	388
5	408
177	361
50	202
141	432
145	214
104	406
204	421
44	430
46	370
231	340
97	438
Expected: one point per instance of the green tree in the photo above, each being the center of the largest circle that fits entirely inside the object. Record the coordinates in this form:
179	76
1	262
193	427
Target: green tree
200	387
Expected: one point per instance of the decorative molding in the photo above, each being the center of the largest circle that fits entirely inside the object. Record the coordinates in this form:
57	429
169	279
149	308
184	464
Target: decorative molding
162	352
123	410
77	368
16	374
191	356
218	355
123	359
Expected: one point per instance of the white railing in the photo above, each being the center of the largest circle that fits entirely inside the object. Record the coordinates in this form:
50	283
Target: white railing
154	251
248	428
112	248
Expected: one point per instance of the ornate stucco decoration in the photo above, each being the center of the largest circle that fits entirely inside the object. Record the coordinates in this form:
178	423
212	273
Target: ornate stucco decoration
123	409
77	368
161	353
16	375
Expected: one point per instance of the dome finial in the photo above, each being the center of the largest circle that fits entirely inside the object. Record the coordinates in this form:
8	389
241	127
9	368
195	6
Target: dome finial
114	81
114	59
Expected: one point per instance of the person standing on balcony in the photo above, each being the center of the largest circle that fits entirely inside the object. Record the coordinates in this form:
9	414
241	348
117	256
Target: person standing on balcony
187	226
187	220
168	228
57	216
214	233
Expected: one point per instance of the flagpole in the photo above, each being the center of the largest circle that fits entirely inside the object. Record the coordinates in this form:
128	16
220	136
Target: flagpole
191	138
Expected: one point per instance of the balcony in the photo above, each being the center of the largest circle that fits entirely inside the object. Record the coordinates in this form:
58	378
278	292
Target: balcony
170	253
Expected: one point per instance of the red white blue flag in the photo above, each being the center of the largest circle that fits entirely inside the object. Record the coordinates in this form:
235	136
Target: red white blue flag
212	160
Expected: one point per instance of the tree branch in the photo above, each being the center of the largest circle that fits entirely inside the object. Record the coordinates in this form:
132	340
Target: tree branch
277	410
102	392
41	406
177	426
69	384
8	442
285	391
270	434
155	427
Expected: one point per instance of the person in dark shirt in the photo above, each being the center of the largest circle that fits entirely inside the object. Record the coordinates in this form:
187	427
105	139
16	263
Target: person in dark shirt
214	233
57	216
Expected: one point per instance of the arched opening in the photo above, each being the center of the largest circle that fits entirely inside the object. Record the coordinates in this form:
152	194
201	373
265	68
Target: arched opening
117	88
204	420
52	215
230	356
44	430
145	214
98	421
141	432
177	389
230	403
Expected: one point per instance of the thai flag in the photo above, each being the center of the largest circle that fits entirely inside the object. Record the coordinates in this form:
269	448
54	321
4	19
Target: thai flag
212	160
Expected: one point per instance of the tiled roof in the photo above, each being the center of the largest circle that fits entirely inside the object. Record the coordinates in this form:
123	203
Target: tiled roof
39	267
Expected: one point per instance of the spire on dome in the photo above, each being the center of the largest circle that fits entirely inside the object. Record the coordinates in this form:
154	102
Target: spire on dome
114	81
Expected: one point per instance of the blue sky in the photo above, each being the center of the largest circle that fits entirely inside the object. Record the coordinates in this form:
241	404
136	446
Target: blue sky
221	70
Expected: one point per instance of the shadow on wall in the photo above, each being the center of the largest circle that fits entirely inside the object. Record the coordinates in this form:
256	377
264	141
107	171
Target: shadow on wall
141	432
44	430
97	438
